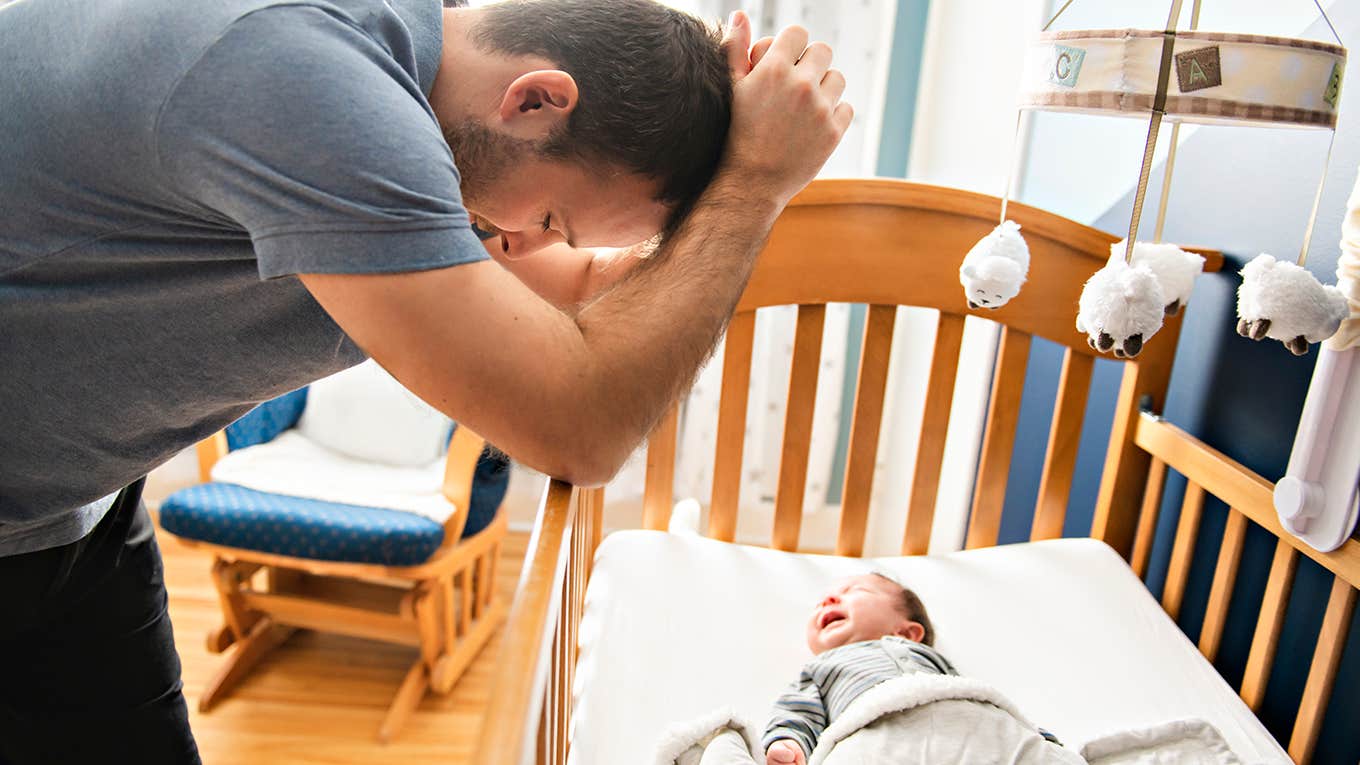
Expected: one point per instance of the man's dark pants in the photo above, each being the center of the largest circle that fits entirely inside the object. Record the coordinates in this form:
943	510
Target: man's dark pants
88	668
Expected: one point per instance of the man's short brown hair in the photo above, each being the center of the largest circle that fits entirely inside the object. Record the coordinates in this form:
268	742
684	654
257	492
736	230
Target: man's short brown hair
655	91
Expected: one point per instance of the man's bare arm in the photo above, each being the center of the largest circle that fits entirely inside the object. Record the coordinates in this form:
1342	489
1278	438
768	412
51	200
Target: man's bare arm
570	397
573	396
570	277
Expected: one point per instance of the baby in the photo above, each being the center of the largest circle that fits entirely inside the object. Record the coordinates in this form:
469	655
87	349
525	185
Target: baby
867	630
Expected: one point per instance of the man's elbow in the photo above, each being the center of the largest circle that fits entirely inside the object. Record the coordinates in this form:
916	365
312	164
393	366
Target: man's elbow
587	453
589	467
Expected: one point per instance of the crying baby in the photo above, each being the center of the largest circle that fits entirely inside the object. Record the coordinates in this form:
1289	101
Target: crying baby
866	630
880	694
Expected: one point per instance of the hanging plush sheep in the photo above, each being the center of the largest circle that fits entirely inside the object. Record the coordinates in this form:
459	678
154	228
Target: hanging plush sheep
1174	268
1285	302
1120	308
994	269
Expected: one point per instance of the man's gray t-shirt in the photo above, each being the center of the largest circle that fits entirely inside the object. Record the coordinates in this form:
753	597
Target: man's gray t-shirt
166	167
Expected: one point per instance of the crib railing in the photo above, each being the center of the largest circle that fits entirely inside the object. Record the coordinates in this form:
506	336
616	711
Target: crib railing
1249	498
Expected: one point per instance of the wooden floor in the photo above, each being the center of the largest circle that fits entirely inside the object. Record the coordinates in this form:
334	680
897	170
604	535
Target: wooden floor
320	698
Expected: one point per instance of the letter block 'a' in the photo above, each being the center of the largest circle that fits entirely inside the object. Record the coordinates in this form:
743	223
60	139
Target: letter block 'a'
1198	69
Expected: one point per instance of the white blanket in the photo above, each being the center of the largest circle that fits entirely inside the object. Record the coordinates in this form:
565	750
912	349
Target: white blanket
937	718
1193	741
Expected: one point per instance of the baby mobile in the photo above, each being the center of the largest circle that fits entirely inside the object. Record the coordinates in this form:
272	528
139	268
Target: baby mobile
1173	76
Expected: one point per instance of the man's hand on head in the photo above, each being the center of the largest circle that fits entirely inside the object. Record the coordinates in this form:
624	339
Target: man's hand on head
784	752
741	54
736	44
787	113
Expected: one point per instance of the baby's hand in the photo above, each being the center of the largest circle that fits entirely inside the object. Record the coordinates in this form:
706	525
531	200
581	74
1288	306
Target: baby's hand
784	752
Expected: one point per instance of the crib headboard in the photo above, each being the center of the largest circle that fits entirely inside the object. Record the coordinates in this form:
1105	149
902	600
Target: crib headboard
887	243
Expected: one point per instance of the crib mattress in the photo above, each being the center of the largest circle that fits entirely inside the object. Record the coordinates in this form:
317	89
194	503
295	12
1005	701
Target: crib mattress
676	626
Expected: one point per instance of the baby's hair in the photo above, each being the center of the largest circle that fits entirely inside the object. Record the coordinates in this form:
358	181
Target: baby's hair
912	607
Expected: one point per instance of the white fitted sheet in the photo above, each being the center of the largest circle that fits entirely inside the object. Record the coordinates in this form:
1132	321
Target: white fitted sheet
676	626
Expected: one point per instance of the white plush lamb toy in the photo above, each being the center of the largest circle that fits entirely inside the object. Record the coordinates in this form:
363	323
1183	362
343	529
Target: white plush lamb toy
1174	268
1120	307
1285	302
994	269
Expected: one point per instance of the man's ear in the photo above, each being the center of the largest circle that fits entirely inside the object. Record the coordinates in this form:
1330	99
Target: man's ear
537	102
912	631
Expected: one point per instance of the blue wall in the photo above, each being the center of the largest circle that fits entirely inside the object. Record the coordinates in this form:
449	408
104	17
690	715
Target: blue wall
1244	191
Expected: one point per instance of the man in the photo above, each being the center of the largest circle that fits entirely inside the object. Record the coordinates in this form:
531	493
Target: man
207	204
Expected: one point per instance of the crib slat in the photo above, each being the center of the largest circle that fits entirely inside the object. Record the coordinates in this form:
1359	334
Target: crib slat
563	661
545	723
864	428
658	493
545	718
566	635
1268	624
793	460
1003	413
731	438
1147	517
591	500
1060	461
1187	530
1322	674
578	588
559	682
925	483
1225	576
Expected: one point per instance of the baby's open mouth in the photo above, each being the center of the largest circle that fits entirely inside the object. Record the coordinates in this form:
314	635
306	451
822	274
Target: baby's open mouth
829	618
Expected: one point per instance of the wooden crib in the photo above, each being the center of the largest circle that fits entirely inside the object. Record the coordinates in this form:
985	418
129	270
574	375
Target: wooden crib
887	243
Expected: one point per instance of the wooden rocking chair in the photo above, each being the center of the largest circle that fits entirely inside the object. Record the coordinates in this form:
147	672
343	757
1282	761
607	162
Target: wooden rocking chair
444	604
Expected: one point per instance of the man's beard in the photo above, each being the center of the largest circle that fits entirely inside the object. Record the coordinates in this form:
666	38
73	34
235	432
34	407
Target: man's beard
484	157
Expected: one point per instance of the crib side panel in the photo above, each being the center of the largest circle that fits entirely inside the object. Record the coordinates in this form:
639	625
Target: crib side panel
1249	498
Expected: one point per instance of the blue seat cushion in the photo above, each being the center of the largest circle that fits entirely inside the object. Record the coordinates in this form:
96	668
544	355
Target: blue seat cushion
234	516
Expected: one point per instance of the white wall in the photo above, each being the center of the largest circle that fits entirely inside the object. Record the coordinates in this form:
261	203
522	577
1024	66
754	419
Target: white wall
965	110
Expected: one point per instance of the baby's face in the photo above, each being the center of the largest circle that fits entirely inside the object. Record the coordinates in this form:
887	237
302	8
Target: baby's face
860	608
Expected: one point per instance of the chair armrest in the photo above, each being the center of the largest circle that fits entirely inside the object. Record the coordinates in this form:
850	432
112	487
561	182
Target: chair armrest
210	450
460	468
